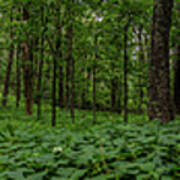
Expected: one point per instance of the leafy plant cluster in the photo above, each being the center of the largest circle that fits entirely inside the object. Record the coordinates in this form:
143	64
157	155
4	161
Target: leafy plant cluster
111	150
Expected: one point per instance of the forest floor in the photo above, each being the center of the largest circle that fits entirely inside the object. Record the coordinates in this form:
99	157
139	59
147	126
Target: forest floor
111	149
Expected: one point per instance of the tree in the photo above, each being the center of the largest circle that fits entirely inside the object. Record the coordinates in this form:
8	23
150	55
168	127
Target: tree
18	74
10	62
41	63
160	105
177	81
94	69
71	57
177	62
125	73
28	72
141	63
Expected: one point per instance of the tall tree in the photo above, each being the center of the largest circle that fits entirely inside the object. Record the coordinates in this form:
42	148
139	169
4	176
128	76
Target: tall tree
71	57
54	91
141	63
160	104
60	57
28	82
177	80
126	72
177	65
10	62
41	63
18	74
19	54
94	71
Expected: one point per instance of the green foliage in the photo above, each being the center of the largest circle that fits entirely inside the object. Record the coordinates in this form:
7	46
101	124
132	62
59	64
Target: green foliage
110	150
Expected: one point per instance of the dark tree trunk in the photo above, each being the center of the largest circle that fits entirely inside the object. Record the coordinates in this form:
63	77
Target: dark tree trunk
160	105
36	62
59	54
94	80
119	96
88	81
177	81
55	57
39	84
18	74
125	73
68	63
18	67
71	59
114	83
61	86
114	80
28	82
48	71
83	83
54	92
141	63
9	67
119	81
177	68
67	81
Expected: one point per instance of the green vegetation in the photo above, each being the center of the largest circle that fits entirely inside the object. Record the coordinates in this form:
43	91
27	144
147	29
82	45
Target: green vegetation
89	89
109	150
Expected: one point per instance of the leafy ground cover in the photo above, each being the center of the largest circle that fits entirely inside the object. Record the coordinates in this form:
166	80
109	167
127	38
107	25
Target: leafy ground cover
30	150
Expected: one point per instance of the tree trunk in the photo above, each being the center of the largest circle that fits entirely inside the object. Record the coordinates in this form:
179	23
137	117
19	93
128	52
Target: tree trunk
39	84
94	81
177	68
83	83
67	81
54	92
119	97
71	59
59	54
160	105
61	86
28	82
125	73
18	74
9	67
177	81
114	87
141	63
55	57
87	87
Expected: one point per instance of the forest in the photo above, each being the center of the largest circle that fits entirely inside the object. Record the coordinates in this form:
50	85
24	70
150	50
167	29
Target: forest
89	89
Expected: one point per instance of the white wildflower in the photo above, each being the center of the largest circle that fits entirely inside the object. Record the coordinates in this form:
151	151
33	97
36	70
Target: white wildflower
57	149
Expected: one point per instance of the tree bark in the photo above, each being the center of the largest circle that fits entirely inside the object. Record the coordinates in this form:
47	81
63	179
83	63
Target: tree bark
177	80
59	54
160	104
141	63
54	92
68	65
94	80
177	68
61	86
125	73
71	59
18	74
114	83
41	63
10	62
28	82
